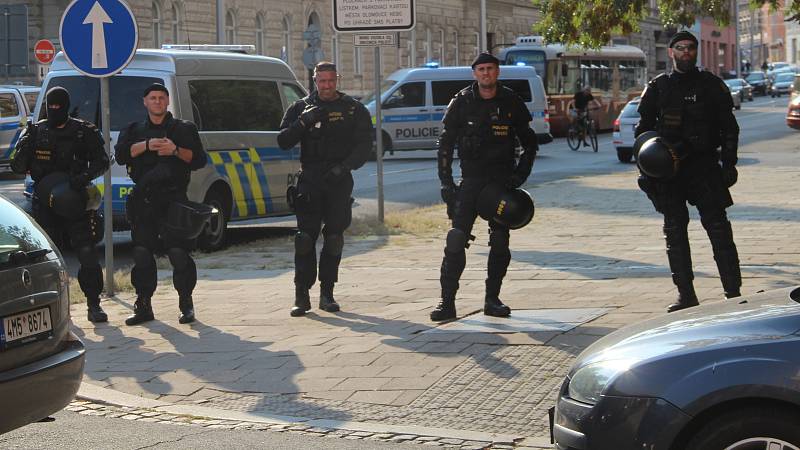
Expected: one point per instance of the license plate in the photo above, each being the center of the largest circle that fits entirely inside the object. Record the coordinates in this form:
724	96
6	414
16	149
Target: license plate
25	327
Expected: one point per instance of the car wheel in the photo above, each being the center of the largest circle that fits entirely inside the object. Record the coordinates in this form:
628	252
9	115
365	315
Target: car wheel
214	235
624	155
749	428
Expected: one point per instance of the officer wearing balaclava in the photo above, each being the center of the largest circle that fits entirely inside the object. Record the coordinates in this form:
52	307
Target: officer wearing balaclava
62	150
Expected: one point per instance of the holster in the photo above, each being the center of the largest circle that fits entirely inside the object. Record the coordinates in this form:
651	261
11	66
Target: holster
451	205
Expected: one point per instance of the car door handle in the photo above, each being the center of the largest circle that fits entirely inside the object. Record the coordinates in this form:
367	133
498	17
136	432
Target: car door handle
423	110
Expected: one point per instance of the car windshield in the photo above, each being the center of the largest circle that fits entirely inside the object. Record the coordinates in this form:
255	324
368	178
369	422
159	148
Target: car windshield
733	83
630	110
756	76
385	86
18	234
784	77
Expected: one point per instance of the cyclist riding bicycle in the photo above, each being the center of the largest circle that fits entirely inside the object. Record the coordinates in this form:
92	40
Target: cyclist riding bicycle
580	106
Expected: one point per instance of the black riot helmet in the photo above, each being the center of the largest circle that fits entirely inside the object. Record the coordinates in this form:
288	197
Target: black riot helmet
186	219
641	139
510	207
54	191
657	159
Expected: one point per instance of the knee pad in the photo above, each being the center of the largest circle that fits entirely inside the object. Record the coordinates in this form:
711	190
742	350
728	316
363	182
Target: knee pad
87	256
498	239
456	241
303	243
178	257
334	243
142	256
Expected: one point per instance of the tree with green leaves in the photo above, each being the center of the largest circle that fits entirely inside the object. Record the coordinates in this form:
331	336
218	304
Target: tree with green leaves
592	23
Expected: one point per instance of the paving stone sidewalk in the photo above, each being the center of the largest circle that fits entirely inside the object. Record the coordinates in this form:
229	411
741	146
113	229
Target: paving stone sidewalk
595	245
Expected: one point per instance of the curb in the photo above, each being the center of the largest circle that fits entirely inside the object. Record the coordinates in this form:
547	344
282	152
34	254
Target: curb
97	394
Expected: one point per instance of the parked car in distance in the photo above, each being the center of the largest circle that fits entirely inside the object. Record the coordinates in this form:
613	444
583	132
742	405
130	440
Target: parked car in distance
793	114
741	88
722	375
782	84
624	129
41	360
759	82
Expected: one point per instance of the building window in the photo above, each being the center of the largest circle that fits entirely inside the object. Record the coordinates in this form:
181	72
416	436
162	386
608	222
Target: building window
230	28
156	10
286	49
260	44
175	25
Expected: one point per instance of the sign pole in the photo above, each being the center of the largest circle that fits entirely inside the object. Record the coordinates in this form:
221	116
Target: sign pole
108	212
378	133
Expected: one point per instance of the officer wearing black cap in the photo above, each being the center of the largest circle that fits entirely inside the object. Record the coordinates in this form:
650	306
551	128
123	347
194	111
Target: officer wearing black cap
62	145
485	122
335	135
692	112
160	153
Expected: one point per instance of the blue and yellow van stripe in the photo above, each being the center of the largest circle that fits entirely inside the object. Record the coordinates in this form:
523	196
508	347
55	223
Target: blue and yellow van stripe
249	182
9	152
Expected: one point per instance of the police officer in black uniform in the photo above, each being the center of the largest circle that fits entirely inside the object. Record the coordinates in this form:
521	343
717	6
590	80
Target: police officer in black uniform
692	112
160	153
335	135
61	143
484	121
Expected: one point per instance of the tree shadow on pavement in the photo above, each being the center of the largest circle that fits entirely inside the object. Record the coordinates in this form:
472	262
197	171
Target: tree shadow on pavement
407	335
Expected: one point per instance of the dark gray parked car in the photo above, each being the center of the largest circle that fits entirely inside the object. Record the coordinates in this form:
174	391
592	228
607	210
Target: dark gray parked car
725	375
41	360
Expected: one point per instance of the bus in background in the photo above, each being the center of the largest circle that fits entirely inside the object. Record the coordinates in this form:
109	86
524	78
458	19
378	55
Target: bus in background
616	74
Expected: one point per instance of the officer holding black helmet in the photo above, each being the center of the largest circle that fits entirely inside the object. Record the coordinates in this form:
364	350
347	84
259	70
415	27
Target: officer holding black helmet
692	114
160	153
335	135
484	121
64	148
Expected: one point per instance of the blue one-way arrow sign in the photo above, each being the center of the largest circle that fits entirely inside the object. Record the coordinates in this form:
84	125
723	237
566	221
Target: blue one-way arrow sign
99	37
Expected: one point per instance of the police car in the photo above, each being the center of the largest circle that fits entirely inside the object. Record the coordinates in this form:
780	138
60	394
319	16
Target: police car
413	102
16	104
236	100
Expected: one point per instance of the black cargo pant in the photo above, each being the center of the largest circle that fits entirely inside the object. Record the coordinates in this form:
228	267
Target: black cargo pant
82	234
464	214
151	237
320	201
699	182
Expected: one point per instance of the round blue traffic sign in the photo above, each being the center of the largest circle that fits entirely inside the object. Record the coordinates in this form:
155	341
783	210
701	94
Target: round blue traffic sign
99	37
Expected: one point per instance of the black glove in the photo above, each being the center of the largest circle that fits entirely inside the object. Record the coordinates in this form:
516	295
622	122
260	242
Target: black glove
78	181
337	173
449	192
730	175
516	180
646	184
312	115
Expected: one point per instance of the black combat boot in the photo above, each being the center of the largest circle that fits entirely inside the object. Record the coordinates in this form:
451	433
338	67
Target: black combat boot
492	305
142	312
446	309
686	299
302	301
95	312
326	301
186	306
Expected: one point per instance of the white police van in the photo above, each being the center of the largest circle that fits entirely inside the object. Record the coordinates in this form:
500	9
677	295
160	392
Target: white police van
414	102
237	102
16	105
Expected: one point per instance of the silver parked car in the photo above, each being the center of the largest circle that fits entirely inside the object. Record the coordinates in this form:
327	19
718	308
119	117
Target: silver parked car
41	360
741	88
624	131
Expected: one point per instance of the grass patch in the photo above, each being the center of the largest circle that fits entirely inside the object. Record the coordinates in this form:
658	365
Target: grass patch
122	283
423	221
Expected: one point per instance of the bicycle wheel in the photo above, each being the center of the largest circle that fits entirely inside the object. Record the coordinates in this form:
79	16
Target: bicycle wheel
573	139
593	136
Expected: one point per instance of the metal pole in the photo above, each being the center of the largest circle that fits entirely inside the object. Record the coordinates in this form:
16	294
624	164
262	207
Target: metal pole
220	22
7	15
108	188
413	48
378	133
482	42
